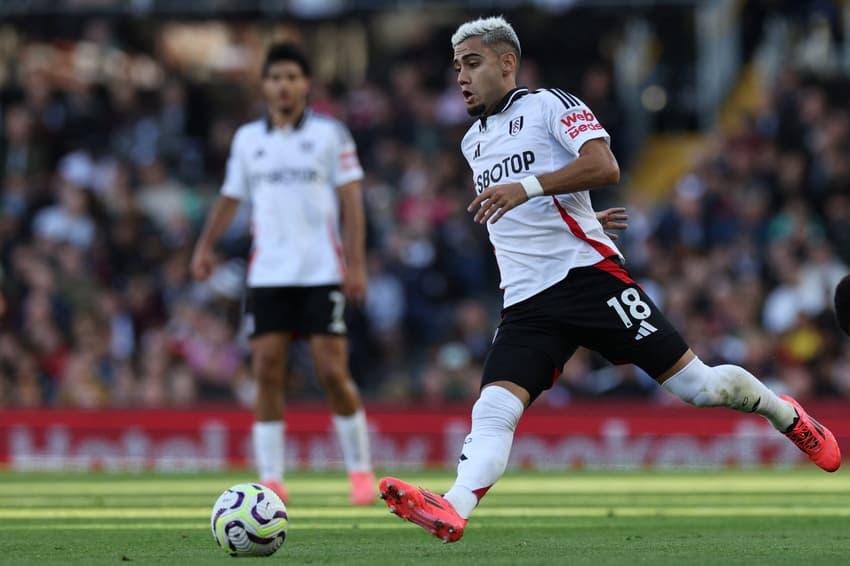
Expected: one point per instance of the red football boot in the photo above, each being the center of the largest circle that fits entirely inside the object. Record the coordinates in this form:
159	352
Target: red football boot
362	488
424	508
813	438
278	488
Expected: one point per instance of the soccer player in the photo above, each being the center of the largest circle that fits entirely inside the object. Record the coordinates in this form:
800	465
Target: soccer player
300	172
534	155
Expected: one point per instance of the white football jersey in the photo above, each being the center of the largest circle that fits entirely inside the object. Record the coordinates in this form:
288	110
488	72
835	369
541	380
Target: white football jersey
291	175
538	242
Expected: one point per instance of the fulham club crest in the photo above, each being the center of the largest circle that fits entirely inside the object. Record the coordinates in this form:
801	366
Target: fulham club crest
516	126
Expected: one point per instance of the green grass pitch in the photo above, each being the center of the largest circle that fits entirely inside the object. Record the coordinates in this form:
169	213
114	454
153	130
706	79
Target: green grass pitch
598	518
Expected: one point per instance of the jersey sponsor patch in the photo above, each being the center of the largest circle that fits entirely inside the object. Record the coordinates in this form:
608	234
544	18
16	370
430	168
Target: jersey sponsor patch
348	161
579	121
515	164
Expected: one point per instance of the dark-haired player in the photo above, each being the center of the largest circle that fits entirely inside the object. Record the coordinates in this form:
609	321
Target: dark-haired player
300	172
534	155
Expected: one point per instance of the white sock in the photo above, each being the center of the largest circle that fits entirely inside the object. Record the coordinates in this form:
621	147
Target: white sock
729	386
354	440
268	449
486	448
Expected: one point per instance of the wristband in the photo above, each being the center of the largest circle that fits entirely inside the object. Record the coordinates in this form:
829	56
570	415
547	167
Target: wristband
532	186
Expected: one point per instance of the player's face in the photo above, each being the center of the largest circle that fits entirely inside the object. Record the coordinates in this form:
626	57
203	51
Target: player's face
482	75
285	87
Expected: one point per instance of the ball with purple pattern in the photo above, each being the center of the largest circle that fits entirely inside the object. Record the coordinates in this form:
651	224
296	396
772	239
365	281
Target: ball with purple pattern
249	520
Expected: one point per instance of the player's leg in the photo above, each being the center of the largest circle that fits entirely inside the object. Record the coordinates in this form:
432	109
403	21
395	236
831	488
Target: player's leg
330	356
483	459
269	318
525	358
732	386
622	323
324	310
268	363
487	447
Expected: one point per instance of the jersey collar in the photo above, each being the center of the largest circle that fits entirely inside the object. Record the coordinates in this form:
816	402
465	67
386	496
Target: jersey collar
512	96
299	123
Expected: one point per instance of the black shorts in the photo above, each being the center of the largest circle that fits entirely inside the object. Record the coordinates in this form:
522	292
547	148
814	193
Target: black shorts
598	307
301	310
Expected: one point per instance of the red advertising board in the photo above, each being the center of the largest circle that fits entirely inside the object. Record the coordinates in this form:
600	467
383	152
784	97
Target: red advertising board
593	435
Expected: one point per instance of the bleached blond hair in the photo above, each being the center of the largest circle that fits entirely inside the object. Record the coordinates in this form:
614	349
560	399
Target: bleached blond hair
492	31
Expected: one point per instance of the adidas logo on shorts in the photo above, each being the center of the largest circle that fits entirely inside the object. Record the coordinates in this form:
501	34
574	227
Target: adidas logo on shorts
644	330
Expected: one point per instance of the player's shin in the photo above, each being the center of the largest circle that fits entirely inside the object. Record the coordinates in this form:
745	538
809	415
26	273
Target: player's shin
729	386
354	439
268	439
486	449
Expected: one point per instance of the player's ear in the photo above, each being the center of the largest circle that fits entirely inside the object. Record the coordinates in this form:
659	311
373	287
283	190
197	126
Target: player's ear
509	63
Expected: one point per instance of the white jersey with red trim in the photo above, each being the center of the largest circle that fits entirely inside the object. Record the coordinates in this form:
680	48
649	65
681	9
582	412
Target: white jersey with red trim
291	176
538	242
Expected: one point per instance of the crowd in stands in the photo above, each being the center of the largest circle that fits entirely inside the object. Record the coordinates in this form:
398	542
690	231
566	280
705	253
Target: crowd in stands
106	182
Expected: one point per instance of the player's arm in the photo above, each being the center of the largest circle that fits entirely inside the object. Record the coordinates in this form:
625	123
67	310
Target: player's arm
217	222
234	189
595	166
354	240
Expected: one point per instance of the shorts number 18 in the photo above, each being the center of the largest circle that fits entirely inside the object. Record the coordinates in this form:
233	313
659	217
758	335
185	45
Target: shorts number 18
638	309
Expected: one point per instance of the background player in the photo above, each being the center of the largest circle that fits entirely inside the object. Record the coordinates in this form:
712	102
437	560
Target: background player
563	278
300	171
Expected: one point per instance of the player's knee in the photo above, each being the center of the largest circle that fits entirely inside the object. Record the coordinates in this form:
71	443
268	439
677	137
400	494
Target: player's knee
701	385
267	367
333	379
704	386
715	390
496	409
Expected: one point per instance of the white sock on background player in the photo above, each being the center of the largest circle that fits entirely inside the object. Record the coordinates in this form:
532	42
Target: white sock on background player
268	449
729	386
354	439
486	448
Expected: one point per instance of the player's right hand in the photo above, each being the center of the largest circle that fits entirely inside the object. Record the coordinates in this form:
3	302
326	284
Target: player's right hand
202	263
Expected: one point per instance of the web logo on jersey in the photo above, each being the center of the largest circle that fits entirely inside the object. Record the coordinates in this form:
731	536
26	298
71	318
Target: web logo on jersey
579	121
515	126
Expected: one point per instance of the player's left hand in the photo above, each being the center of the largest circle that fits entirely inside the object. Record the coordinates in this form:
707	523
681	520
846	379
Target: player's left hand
613	219
354	284
494	202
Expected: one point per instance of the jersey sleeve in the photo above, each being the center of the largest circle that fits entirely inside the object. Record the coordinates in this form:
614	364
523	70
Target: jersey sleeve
570	121
236	177
346	165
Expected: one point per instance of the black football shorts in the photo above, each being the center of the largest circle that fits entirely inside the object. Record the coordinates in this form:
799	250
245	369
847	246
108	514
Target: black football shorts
301	310
599	307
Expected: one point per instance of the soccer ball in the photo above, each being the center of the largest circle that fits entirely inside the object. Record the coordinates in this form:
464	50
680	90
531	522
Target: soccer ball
249	520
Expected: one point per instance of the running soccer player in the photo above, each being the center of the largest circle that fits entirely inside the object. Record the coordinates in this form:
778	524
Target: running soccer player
300	172
534	155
